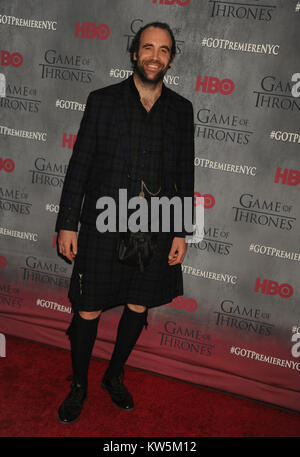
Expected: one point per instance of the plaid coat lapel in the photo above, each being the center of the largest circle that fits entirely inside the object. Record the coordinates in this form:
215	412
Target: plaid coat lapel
170	144
118	141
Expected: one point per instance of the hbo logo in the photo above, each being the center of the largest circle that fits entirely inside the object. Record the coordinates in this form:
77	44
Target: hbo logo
6	58
273	288
91	30
212	85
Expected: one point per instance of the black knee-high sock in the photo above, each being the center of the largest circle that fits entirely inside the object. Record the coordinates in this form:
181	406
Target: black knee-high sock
82	333
130	327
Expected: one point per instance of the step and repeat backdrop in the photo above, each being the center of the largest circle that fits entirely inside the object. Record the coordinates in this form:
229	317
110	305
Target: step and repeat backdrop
237	327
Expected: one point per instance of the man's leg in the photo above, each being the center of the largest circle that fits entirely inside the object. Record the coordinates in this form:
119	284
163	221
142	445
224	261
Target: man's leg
82	333
131	324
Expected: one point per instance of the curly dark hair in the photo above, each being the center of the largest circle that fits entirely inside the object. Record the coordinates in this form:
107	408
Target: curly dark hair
135	44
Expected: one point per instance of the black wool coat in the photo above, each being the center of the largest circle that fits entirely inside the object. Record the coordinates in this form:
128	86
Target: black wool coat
98	164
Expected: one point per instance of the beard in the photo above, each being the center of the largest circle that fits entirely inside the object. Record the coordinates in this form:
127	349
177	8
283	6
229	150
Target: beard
139	70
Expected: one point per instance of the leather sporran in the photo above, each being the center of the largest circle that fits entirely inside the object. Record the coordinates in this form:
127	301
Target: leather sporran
136	249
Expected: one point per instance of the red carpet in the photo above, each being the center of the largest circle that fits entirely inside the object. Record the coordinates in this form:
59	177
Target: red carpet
33	384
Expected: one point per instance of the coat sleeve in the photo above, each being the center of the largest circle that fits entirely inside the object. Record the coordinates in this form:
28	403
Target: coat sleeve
185	163
78	169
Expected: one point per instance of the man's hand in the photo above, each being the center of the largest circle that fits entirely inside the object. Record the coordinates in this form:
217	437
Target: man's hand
177	252
67	244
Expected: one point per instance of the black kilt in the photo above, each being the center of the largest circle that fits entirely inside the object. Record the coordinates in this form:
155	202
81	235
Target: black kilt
99	281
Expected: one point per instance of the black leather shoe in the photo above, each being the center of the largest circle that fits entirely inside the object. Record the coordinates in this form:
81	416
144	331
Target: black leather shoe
70	409
118	392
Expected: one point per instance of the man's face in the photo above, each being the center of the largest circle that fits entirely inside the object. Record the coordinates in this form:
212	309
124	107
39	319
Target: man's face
154	55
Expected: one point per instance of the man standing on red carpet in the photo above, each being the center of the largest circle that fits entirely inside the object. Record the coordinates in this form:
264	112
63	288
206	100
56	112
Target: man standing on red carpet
137	135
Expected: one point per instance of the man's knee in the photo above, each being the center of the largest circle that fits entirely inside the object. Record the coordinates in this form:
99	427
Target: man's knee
89	315
136	308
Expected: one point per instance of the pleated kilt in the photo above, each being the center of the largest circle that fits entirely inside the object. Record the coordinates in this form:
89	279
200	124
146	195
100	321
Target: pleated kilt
99	281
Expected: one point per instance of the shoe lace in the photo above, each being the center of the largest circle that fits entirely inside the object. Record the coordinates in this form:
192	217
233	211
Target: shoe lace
76	395
119	389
